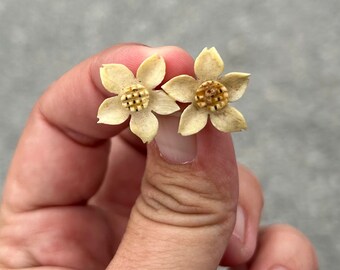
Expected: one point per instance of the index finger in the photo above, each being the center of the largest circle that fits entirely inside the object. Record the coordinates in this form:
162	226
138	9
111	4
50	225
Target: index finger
61	158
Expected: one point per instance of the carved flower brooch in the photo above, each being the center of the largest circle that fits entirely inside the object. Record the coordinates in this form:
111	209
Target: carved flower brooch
209	94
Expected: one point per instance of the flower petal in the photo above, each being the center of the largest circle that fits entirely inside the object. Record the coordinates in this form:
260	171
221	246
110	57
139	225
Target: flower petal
208	64
228	120
112	112
144	124
115	77
236	84
192	120
152	71
182	88
161	103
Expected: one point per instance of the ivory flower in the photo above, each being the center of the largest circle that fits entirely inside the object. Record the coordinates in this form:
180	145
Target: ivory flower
209	95
135	97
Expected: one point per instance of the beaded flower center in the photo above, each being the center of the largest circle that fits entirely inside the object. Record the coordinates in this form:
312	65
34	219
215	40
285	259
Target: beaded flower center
212	95
135	98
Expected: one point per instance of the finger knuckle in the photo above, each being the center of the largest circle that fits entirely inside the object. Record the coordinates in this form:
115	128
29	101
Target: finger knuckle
184	199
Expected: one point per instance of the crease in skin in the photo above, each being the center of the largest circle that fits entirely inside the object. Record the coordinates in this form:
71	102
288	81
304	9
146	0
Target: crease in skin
189	221
170	202
180	192
36	250
202	194
10	255
180	206
185	181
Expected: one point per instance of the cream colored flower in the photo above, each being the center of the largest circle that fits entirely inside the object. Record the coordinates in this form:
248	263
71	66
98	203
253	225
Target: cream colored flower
135	97
209	95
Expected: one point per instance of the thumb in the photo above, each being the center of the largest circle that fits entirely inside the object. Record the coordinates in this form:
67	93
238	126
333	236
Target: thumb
185	213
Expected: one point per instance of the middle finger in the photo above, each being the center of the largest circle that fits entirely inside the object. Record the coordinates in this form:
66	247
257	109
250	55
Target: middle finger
242	243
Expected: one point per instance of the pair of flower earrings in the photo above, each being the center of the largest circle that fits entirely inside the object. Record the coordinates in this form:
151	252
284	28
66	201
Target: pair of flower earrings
209	94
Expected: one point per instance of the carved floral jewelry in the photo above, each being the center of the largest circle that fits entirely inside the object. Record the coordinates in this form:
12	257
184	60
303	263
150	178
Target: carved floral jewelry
135	97
209	95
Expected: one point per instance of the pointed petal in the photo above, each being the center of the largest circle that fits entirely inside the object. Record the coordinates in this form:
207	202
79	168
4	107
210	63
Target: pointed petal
115	77
182	88
144	124
161	103
236	84
228	120
192	120
112	112
208	64
152	71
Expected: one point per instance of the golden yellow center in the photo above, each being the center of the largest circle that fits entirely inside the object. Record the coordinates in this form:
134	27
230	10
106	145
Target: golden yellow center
135	98
212	95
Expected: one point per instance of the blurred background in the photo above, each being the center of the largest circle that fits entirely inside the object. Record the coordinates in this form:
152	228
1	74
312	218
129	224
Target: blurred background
291	48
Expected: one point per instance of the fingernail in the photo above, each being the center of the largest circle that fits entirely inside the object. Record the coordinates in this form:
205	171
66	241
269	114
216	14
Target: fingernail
240	226
278	267
174	147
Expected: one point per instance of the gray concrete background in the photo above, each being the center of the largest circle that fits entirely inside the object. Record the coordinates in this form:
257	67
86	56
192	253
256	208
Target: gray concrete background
292	49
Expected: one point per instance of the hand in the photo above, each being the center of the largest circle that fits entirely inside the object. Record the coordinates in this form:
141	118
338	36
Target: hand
72	187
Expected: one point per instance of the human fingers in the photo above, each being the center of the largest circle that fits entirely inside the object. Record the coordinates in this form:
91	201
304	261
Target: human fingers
186	211
121	184
62	155
125	170
282	247
242	243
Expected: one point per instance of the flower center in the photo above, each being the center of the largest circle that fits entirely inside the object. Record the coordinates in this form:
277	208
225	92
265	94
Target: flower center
135	98
212	95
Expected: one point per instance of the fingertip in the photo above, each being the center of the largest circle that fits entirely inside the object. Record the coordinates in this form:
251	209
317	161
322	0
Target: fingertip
281	231
178	61
130	55
278	231
282	244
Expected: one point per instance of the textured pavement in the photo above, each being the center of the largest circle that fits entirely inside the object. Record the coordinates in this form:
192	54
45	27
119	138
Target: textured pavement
292	105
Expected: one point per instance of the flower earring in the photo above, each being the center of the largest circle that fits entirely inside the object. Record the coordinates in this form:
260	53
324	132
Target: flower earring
209	95
136	97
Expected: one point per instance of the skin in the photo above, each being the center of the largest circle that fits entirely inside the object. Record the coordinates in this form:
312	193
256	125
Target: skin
70	193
